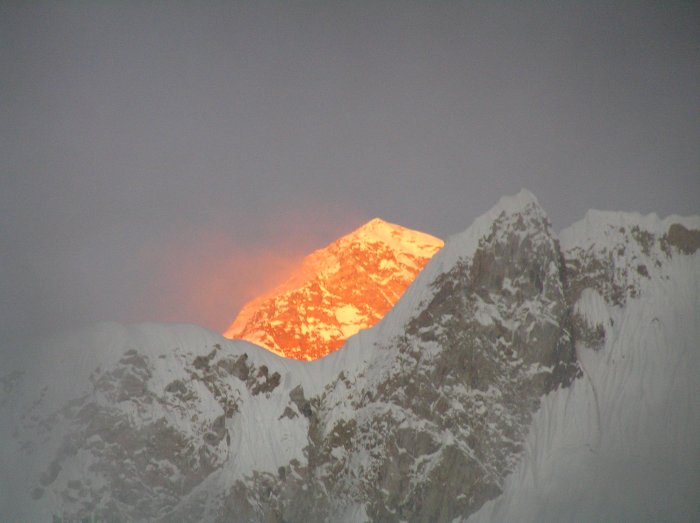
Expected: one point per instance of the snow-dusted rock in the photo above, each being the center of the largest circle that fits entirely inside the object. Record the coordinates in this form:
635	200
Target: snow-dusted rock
621	444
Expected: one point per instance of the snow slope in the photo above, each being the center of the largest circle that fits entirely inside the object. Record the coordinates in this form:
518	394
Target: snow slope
138	401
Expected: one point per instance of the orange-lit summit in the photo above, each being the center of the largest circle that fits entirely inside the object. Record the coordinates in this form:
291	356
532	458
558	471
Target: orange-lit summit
337	291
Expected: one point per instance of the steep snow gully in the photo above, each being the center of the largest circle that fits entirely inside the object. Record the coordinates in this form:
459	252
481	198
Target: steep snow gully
523	376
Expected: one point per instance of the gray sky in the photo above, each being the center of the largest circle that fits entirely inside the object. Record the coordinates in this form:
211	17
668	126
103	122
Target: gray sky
165	161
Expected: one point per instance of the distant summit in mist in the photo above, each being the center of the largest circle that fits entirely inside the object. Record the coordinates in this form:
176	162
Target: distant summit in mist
337	291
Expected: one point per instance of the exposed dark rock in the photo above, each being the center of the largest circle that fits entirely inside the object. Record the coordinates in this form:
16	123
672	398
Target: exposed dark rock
685	240
592	336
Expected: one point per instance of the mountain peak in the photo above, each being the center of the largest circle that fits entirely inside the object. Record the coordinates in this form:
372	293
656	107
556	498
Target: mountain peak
340	289
517	202
375	222
397	238
372	228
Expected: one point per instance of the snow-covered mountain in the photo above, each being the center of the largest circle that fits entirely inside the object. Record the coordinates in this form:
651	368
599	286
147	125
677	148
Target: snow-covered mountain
519	378
337	291
622	443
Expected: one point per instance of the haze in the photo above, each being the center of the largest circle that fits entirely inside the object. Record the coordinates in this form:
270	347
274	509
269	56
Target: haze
168	161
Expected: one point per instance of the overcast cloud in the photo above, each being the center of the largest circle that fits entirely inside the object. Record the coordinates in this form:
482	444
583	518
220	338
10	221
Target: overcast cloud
165	161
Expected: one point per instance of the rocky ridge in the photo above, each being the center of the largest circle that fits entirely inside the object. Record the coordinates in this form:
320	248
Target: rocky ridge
424	417
620	444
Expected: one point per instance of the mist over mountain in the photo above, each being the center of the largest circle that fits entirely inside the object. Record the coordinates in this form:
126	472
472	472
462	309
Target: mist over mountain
522	376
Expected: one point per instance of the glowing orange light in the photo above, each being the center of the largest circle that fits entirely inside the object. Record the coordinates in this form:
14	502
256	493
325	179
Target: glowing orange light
337	291
197	277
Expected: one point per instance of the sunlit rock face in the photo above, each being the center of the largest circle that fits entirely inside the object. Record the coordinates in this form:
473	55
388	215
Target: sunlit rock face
339	290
